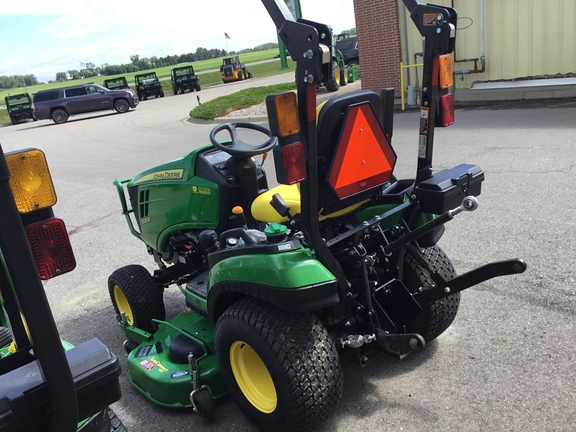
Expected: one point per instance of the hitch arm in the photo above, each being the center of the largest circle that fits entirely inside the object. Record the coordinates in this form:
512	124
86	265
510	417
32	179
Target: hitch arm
481	274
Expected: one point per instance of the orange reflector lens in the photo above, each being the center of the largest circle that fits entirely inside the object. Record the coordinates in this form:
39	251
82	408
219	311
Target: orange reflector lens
30	180
446	77
50	248
447	109
294	163
287	114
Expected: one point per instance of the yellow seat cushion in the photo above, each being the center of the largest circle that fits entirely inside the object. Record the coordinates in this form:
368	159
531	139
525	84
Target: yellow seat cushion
264	212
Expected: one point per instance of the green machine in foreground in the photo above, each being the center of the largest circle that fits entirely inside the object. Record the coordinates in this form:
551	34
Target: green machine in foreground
341	260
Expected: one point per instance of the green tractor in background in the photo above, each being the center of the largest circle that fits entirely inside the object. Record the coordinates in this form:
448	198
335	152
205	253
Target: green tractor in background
183	78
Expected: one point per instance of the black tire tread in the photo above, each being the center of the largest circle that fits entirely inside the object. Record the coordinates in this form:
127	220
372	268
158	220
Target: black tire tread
115	424
436	318
5	337
144	296
308	369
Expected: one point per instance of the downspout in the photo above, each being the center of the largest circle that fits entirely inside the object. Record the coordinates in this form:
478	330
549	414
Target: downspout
482	58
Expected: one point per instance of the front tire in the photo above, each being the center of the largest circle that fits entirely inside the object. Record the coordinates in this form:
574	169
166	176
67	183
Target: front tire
59	116
281	368
133	291
438	316
121	106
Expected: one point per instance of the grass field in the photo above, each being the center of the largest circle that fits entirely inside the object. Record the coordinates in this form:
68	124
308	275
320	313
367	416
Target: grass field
207	79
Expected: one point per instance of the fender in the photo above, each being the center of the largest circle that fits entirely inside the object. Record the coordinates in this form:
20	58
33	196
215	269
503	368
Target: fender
291	280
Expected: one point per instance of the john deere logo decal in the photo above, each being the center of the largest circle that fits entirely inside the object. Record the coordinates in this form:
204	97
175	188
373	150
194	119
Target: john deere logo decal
175	174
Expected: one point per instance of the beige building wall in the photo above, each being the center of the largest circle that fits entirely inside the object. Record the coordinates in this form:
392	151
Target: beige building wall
522	38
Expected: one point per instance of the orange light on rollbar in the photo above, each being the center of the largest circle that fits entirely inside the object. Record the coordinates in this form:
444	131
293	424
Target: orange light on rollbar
445	66
287	114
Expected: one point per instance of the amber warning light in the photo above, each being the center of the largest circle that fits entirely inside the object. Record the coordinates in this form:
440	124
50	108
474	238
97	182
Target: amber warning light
34	195
289	157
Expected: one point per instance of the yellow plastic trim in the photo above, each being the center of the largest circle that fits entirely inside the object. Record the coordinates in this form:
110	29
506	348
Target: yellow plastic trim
263	211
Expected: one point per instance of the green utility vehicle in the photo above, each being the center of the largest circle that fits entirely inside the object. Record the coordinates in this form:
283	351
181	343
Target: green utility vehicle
19	107
116	83
148	84
183	78
341	260
45	384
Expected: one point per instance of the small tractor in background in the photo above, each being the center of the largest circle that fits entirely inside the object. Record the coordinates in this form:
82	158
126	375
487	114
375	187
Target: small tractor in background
148	84
183	78
233	70
116	83
19	107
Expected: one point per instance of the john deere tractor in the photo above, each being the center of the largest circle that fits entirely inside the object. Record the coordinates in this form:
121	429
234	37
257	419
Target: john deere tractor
233	70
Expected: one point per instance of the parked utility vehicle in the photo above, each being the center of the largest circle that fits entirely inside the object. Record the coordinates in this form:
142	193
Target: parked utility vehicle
19	107
148	84
116	83
183	78
340	260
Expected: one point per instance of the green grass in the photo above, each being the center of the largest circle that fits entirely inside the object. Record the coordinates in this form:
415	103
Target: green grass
207	79
242	99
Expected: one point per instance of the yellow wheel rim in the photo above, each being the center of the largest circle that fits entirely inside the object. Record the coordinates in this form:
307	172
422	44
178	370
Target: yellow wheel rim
122	304
337	75
252	377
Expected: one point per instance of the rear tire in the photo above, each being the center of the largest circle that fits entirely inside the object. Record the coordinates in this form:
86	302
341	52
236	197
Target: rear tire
438	316
333	84
281	368
59	116
343	77
134	292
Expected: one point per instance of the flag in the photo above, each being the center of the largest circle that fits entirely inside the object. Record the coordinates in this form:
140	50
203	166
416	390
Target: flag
226	36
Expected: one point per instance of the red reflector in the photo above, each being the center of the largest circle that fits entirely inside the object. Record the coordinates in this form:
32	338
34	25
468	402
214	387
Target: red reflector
294	163
447	109
51	248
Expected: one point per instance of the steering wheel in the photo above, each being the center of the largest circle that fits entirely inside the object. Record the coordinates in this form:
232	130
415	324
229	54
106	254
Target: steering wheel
239	148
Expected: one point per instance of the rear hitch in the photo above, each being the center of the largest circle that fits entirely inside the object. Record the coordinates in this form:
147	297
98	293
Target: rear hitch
400	344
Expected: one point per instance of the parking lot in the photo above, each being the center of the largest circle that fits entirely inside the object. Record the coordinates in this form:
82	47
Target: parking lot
506	363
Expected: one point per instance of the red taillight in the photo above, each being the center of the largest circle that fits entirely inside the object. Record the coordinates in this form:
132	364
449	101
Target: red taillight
447	109
50	248
294	163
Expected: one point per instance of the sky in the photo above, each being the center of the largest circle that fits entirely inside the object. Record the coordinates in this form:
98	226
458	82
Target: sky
41	37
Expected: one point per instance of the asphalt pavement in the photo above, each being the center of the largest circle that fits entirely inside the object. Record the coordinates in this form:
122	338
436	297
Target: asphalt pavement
506	363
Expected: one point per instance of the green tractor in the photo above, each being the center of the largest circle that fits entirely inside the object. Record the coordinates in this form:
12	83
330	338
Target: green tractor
148	84
340	260
183	78
19	107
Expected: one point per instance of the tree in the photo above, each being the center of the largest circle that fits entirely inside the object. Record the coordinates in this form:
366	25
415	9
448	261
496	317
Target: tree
74	74
61	77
